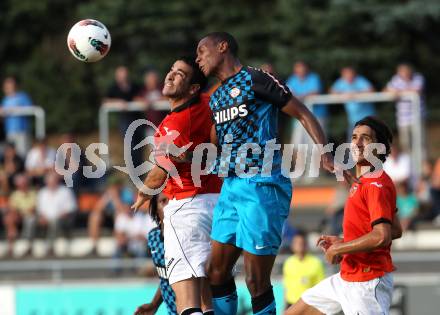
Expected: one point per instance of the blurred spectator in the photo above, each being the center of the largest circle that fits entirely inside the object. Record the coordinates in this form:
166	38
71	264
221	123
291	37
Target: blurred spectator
150	94
406	80
117	198
123	90
56	205
334	213
423	188
20	212
11	164
289	231
398	164
350	84
435	193
16	127
301	271
407	204
130	231
39	160
78	178
304	83
152	90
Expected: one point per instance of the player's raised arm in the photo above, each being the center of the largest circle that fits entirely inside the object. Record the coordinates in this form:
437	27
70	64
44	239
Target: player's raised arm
155	179
296	109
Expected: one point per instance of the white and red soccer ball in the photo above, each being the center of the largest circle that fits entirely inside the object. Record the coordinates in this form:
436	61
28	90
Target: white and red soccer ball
89	40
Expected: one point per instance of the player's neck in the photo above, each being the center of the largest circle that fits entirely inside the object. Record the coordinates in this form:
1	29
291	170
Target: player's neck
228	68
362	170
176	102
301	256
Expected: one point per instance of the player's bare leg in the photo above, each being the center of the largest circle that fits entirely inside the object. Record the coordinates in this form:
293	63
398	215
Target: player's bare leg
301	308
222	261
258	270
206	301
220	265
187	295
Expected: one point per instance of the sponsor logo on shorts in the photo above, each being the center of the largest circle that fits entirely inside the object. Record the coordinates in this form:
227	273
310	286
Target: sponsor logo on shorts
258	247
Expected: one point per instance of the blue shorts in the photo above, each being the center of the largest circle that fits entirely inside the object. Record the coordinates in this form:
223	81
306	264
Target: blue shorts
250	213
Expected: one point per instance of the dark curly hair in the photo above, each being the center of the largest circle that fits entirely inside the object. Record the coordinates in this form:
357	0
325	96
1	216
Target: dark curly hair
383	133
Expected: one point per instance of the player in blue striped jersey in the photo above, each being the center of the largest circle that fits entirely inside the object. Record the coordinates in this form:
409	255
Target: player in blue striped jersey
255	197
164	292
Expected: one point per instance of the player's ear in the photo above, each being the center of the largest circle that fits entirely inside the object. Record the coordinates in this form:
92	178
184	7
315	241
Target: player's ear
223	46
194	89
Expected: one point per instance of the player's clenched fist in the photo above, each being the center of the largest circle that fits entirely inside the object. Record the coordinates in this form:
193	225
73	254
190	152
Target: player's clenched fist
325	241
328	244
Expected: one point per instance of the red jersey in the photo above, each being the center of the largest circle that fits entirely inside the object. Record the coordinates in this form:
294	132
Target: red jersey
190	122
370	202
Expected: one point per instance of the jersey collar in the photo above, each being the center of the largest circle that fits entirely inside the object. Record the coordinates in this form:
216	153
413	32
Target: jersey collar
187	104
230	77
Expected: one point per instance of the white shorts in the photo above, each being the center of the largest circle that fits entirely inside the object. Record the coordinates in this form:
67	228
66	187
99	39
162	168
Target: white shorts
187	229
334	294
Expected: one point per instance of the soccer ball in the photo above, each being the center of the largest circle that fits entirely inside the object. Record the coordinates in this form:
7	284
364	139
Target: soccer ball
89	40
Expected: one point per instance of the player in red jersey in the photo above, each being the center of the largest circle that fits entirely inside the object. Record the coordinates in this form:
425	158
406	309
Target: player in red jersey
364	284
188	215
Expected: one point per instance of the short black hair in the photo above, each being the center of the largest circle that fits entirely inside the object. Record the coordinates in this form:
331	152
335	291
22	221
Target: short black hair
225	37
382	131
13	77
197	75
302	233
153	209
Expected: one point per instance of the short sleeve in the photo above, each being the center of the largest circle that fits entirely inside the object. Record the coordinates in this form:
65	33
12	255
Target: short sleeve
40	202
269	88
338	86
287	267
418	82
393	84
69	201
290	83
380	203
25	100
121	223
363	84
315	83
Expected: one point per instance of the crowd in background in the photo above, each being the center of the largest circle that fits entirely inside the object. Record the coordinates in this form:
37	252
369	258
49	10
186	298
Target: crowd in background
35	202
